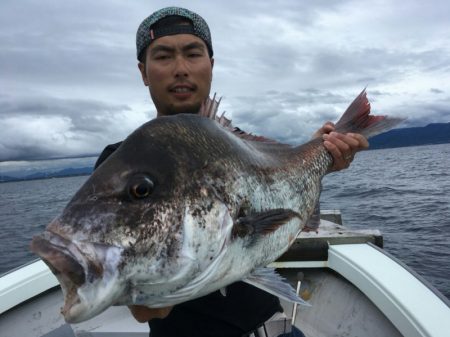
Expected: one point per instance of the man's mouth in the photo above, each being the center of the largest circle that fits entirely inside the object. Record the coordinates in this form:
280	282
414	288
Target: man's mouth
182	90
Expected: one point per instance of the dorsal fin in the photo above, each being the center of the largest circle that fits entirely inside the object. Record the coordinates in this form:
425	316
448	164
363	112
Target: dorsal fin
209	109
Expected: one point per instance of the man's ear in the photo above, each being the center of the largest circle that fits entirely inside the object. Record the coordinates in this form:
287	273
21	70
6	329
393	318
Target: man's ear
212	63
141	67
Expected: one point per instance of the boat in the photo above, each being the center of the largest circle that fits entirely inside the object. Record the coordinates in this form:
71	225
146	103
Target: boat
354	287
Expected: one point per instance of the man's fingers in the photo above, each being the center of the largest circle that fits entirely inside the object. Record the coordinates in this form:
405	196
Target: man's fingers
144	314
326	128
343	144
340	160
363	143
343	147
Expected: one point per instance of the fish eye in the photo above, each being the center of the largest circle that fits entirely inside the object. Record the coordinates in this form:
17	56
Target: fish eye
141	187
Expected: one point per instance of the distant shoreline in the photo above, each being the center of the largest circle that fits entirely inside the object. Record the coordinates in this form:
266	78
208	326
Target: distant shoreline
86	171
374	147
64	173
12	180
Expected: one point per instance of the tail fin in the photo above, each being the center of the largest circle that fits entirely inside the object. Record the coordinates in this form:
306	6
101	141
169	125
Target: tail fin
357	119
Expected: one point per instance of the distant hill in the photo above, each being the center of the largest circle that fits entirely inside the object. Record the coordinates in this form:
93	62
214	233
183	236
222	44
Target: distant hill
7	178
45	175
436	133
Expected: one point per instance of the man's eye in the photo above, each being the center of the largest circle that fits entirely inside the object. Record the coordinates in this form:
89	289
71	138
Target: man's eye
195	53
162	57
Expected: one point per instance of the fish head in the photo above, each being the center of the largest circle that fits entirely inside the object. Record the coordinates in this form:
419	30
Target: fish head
139	221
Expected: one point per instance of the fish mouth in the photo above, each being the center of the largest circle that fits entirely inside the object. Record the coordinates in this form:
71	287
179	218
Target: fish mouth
58	256
74	271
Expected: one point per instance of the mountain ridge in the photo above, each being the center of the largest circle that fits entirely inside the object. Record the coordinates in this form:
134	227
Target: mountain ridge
434	133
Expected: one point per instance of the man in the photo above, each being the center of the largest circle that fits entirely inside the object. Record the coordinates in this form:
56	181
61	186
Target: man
175	56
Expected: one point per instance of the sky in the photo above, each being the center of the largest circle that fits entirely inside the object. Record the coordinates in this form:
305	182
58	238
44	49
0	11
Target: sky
69	82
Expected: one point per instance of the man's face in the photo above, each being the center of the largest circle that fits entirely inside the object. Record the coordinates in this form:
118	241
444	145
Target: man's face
178	72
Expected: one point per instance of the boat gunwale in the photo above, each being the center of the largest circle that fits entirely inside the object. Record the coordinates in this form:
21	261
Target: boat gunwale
401	305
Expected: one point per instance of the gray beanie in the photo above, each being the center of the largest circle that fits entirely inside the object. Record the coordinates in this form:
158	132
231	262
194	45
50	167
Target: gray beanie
145	35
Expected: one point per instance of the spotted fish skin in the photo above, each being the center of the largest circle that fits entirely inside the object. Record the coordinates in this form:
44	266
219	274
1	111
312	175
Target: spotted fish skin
186	206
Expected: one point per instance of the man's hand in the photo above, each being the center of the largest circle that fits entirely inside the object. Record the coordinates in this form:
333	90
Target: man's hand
342	147
144	314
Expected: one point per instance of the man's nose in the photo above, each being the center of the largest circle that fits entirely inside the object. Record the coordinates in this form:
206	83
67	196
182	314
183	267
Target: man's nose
181	67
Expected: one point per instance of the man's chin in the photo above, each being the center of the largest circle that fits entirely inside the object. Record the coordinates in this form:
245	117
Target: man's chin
183	109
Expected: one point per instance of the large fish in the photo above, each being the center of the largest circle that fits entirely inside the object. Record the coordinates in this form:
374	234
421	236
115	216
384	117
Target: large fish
184	207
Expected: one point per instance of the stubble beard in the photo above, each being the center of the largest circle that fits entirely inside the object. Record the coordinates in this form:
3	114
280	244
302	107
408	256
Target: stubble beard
190	109
171	109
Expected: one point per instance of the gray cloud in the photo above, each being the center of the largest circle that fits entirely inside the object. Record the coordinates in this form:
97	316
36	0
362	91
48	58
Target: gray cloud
424	113
70	85
437	91
290	117
46	127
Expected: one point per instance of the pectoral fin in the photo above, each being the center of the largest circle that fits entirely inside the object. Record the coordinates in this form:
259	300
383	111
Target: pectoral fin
262	223
312	225
268	280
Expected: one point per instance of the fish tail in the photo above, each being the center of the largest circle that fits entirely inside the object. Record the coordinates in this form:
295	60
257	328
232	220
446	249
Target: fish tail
357	119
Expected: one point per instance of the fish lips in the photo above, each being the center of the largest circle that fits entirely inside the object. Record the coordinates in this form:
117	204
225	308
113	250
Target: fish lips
56	252
75	270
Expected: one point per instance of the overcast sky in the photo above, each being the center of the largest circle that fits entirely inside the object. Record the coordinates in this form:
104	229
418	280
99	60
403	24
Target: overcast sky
69	83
